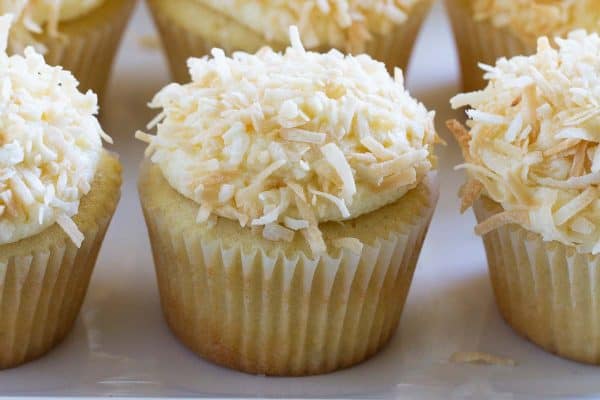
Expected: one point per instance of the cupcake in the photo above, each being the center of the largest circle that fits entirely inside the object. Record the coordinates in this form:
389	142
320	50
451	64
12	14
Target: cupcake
80	35
287	196
532	156
385	29
486	30
58	191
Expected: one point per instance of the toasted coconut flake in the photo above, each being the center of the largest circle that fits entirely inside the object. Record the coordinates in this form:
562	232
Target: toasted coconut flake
248	126
595	167
576	182
533	144
464	99
469	193
488	118
503	218
295	224
338	202
462	136
404	178
71	229
276	232
561	146
478	357
203	213
312	234
574	206
335	157
273	215
575	133
352	244
582	225
578	166
50	144
303	136
387	168
377	148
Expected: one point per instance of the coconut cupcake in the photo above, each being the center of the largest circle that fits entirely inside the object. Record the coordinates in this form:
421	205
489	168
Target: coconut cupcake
382	28
58	191
80	35
533	159
486	30
287	197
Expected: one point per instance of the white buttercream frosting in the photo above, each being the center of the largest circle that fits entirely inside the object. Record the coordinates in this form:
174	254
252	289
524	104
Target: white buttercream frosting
282	142
50	144
533	143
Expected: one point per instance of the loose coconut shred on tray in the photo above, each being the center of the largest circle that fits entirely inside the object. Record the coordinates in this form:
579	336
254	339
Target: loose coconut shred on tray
532	142
478	357
283	142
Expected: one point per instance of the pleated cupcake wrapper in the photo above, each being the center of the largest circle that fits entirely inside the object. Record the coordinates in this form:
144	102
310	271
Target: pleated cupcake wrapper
546	291
89	53
394	49
276	315
41	293
481	42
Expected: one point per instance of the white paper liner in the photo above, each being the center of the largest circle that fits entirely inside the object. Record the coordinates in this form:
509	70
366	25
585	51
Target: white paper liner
481	42
546	291
394	49
87	46
42	288
279	315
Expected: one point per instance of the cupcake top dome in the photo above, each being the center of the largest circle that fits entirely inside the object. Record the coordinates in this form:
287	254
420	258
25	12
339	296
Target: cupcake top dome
533	18
282	142
38	16
533	141
346	24
50	144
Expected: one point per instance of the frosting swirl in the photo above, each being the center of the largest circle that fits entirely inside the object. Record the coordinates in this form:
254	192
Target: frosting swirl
533	141
50	144
282	142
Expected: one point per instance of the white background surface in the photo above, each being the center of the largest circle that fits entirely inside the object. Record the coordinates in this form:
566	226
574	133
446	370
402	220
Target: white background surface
121	347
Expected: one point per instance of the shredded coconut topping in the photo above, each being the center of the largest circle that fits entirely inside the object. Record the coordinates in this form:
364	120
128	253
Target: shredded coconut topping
50	144
286	141
346	24
533	143
33	17
533	18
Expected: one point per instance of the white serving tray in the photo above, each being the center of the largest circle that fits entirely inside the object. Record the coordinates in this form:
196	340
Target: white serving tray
121	346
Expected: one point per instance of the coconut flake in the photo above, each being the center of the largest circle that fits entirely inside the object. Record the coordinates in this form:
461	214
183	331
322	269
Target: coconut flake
574	206
532	144
276	232
335	157
50	144
248	126
338	202
303	136
352	244
70	229
478	357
